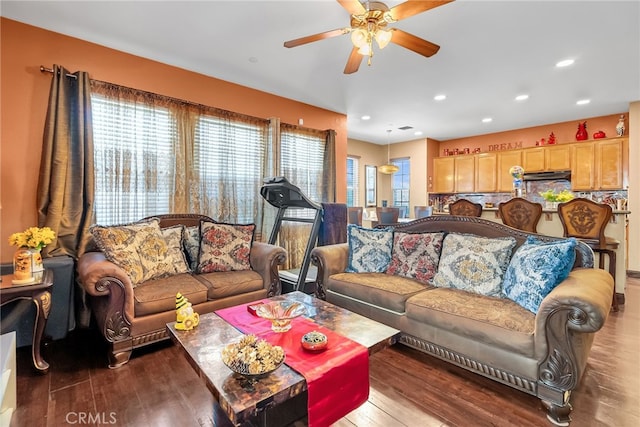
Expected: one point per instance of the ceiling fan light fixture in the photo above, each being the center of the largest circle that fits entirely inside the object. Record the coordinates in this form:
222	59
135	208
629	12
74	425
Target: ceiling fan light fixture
365	50
383	37
359	37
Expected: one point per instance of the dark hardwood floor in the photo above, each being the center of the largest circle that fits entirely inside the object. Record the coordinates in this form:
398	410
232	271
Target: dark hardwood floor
159	388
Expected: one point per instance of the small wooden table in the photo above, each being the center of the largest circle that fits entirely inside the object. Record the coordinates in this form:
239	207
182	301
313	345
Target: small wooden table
38	292
238	403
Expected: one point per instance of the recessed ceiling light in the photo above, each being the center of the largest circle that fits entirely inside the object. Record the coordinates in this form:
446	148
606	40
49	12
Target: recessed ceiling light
522	97
583	101
565	63
487	120
365	117
417	133
440	97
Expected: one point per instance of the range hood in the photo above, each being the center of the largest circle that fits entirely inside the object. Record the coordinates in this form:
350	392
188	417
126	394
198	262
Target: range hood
547	176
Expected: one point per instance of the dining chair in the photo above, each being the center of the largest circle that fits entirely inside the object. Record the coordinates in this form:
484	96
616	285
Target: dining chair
587	220
422	211
387	215
464	207
521	214
354	215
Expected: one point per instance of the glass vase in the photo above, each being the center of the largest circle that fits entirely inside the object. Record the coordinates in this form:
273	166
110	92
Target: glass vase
23	265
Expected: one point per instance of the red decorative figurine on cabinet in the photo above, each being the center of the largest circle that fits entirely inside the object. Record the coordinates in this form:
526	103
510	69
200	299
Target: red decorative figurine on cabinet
582	135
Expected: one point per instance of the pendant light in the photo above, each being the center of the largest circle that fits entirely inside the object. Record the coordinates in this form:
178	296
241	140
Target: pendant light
389	168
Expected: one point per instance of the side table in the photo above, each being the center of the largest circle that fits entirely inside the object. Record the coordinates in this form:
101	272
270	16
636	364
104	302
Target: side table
40	293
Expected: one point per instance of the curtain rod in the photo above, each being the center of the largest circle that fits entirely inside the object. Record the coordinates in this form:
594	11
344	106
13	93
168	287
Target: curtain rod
44	69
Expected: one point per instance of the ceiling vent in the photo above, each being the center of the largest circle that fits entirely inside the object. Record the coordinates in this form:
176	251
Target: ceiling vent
405	128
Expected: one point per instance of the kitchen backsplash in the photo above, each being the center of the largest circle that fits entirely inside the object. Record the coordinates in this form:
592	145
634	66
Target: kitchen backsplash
532	188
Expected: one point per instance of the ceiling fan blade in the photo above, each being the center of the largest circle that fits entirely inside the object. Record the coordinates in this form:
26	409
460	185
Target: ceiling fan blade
316	37
353	63
413	7
354	7
411	42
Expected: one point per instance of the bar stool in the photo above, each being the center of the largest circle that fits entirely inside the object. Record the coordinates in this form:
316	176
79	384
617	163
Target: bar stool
354	215
422	211
521	214
464	207
586	220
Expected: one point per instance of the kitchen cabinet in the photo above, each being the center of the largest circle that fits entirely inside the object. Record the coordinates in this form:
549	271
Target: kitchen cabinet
548	158
465	174
533	159
557	158
507	159
583	171
609	164
599	165
486	168
443	174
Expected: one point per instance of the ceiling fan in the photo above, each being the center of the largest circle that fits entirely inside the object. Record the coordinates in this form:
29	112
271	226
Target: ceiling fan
369	23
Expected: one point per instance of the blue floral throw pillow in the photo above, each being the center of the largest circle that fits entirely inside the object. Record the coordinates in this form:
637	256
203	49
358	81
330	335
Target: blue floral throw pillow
369	249
474	263
536	268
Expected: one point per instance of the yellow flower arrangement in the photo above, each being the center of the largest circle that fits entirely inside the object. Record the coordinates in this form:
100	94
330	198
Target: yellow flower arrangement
561	197
33	237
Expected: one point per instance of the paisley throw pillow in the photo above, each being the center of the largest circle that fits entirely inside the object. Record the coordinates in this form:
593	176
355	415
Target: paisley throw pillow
225	247
138	248
536	268
474	263
416	255
369	249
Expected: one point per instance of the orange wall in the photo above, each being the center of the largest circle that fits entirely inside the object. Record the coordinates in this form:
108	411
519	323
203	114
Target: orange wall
25	91
565	132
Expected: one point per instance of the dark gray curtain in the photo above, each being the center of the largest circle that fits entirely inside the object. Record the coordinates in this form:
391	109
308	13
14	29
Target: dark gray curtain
66	182
329	173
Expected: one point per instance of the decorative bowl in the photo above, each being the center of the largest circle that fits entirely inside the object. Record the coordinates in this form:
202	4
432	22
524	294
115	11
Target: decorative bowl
314	341
252	358
280	313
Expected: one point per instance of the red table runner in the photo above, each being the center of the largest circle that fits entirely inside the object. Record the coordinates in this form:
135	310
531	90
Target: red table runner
337	378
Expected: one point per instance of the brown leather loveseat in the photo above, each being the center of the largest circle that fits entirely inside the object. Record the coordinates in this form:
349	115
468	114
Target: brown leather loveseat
131	315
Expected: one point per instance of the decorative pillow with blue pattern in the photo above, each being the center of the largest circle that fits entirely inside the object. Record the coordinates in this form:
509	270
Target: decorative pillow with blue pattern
369	249
536	268
474	263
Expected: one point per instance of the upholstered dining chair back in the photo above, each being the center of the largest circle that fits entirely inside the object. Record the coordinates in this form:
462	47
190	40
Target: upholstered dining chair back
387	215
422	211
521	214
464	207
354	215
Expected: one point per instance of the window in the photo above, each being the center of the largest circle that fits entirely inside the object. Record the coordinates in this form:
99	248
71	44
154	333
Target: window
134	161
353	181
400	186
228	162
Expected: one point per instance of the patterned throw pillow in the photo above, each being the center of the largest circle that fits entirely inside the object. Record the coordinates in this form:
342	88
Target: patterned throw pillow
474	263
191	243
416	255
176	259
369	249
536	268
224	247
138	248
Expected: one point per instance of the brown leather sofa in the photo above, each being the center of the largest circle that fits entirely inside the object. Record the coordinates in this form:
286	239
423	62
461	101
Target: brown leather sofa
543	354
130	317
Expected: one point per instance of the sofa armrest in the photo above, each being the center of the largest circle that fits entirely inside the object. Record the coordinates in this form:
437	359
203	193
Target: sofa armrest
265	259
112	294
565	324
330	259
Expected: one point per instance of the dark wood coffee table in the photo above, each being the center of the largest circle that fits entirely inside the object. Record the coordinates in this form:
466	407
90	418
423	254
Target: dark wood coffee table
280	398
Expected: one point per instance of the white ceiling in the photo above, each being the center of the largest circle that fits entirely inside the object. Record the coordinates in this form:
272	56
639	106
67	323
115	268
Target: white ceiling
490	52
